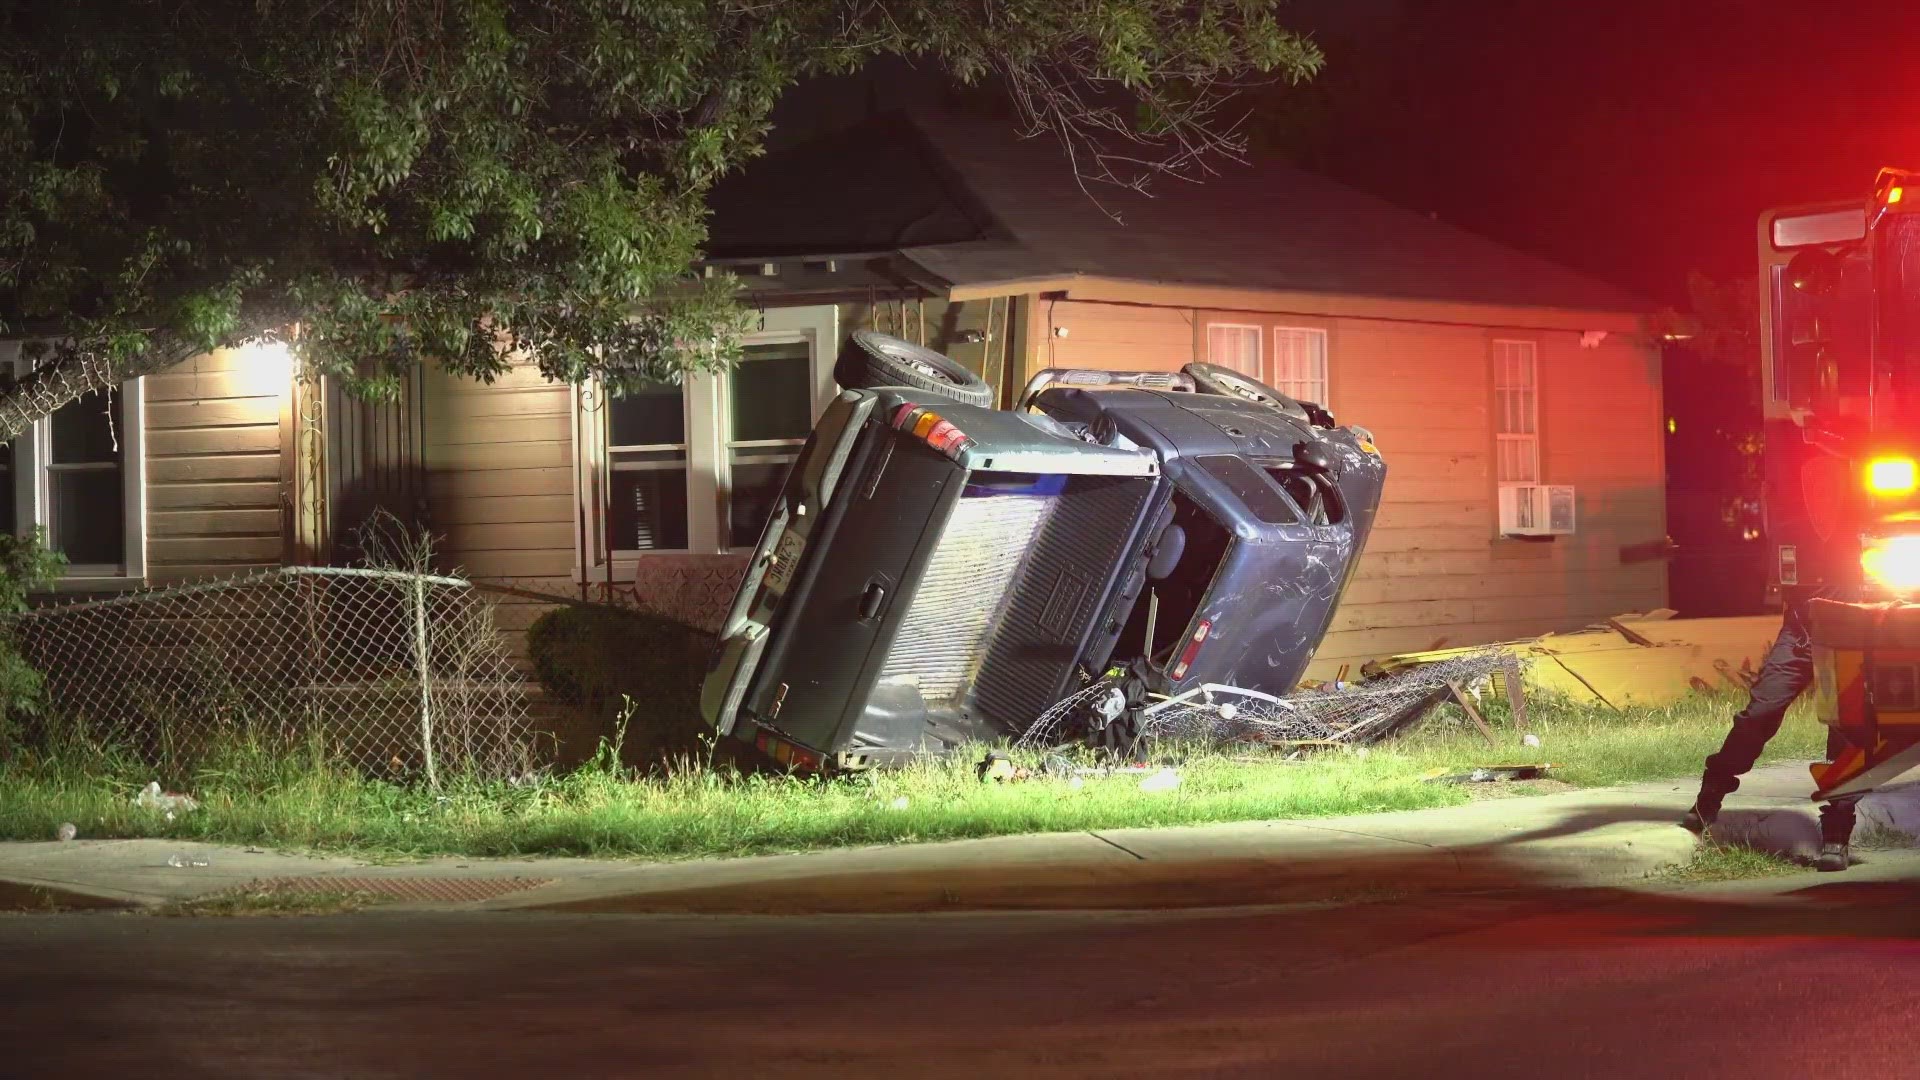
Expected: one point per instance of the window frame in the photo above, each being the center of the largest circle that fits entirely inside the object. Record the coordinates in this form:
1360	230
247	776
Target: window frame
32	462
1270	327
1325	375
707	448
1259	346
1501	436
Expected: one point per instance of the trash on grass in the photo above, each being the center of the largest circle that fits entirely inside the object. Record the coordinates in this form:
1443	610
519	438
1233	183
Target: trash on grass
1164	780
999	768
898	804
66	831
1491	774
1530	739
167	802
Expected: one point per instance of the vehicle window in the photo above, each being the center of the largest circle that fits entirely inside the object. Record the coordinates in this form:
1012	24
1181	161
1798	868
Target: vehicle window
1251	487
1315	495
1181	594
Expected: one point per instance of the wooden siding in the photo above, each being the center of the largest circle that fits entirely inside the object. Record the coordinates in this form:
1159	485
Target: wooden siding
1112	337
1436	571
214	467
500	471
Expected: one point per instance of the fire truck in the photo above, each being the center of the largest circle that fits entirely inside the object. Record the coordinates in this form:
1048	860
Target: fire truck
1840	334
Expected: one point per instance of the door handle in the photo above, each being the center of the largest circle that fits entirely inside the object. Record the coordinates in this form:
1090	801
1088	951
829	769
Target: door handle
871	600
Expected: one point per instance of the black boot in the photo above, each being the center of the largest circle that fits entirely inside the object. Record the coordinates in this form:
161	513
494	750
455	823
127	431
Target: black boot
1704	812
1836	834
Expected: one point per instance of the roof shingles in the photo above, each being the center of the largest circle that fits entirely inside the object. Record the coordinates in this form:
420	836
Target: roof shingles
1262	225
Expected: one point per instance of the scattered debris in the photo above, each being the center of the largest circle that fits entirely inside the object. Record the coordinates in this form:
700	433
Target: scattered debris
1000	768
1530	739
167	802
1164	780
1361	713
178	860
66	831
1493	774
898	804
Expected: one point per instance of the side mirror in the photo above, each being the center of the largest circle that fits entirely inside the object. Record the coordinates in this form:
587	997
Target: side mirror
1814	271
1314	456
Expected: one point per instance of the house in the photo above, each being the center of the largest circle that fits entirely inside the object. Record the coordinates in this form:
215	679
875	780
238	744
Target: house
1479	370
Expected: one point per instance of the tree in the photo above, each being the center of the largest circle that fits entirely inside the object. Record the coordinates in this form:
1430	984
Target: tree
467	180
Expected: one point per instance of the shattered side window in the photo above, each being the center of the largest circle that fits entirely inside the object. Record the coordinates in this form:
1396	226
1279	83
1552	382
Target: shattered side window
1317	498
1251	487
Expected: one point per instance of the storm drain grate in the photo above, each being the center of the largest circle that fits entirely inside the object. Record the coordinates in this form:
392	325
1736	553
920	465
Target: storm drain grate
443	890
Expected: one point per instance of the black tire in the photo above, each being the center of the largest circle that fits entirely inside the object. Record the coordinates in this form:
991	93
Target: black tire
872	360
1214	379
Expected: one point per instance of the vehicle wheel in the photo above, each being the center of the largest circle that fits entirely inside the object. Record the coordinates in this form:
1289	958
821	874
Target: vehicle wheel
871	360
1214	379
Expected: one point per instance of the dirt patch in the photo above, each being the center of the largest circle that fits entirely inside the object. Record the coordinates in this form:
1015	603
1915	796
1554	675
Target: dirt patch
17	898
1514	789
272	903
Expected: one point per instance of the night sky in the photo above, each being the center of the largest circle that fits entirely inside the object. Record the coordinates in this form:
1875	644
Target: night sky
1634	139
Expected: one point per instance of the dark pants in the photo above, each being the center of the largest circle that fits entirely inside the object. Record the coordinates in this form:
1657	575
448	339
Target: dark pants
1788	671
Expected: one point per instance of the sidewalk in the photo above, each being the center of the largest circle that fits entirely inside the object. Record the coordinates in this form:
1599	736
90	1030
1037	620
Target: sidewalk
1602	837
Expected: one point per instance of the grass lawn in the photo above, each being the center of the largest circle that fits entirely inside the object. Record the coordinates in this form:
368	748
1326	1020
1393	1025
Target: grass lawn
695	811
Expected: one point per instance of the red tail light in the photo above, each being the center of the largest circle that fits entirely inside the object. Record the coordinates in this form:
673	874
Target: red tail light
1199	638
930	428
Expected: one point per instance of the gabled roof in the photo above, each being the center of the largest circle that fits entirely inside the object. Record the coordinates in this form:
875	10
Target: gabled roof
973	205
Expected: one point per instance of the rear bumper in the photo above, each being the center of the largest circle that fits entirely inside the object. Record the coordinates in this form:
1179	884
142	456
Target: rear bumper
1867	687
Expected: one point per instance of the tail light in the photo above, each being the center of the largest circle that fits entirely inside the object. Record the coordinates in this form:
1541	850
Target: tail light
930	428
1192	650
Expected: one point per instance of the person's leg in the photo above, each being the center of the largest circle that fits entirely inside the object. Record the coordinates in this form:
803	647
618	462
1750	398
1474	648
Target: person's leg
1787	671
1837	817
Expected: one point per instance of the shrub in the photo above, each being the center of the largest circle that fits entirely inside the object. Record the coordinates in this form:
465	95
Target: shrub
26	566
593	657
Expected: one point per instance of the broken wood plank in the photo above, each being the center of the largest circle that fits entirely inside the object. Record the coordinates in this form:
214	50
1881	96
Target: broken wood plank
1473	714
1631	634
1517	691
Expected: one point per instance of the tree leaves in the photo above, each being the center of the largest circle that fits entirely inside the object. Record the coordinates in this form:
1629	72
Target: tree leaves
466	180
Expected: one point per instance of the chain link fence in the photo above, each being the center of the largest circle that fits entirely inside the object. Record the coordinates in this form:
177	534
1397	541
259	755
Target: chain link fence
397	673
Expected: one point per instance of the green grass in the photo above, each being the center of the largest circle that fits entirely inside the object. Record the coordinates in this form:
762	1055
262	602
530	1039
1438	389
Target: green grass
294	802
1732	862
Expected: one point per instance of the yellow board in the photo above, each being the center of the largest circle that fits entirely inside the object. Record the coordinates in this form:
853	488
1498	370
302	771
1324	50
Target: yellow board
1605	663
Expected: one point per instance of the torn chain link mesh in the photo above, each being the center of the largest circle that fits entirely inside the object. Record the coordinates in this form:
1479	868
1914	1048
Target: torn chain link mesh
1357	714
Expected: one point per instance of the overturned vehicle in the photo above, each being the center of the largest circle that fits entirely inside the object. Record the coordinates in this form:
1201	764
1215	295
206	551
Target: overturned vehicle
940	572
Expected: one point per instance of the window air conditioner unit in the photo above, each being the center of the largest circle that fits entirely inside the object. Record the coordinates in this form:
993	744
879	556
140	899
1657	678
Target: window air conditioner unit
1536	510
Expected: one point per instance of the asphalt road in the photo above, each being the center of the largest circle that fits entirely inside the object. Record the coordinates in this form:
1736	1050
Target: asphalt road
1822	982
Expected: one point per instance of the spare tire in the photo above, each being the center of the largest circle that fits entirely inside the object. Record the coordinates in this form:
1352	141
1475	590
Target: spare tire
1214	379
872	359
